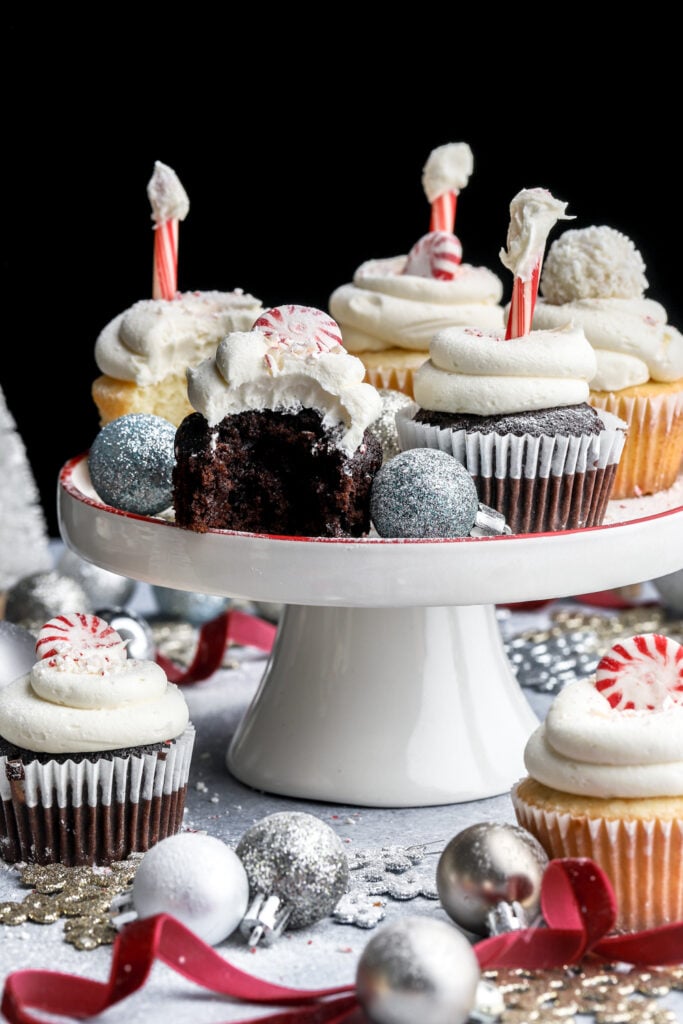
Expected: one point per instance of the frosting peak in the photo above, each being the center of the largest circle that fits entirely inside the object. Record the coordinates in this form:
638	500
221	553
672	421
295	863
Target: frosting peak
448	169
167	196
533	213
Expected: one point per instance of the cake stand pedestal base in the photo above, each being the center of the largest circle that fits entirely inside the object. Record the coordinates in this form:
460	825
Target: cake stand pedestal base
377	707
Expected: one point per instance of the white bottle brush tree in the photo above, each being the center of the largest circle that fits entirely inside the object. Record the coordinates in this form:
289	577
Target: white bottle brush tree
24	542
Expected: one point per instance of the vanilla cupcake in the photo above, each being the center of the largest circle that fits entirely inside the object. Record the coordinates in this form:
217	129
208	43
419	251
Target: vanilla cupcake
605	778
595	278
143	353
95	750
514	408
392	308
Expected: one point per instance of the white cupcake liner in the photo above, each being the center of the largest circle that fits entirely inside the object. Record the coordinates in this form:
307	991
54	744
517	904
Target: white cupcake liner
540	484
84	812
507	455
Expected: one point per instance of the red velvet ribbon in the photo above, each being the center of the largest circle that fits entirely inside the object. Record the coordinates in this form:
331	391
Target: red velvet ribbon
214	636
577	902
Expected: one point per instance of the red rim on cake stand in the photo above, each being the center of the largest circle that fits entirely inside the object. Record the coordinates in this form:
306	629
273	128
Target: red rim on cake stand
388	684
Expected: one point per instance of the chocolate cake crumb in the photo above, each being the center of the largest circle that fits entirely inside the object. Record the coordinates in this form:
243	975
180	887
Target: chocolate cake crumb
272	472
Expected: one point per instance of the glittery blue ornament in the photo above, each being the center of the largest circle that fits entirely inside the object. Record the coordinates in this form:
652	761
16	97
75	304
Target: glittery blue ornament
423	492
131	463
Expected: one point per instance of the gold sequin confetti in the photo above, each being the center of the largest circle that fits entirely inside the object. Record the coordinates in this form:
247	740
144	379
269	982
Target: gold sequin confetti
82	895
604	994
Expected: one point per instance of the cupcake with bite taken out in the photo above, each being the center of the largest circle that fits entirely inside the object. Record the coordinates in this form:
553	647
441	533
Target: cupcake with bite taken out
605	778
280	440
595	278
143	353
393	306
512	405
95	750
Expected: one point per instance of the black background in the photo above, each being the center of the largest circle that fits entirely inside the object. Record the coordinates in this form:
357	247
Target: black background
301	160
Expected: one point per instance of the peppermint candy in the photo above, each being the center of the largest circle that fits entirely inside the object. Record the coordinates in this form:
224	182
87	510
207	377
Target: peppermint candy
301	329
437	254
643	673
75	635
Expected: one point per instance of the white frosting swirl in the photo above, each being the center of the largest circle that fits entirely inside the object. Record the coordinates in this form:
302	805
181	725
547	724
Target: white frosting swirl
156	338
595	278
473	372
589	748
89	704
385	308
250	372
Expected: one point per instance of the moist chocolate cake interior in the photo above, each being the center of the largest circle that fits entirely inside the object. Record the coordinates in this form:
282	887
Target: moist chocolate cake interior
272	472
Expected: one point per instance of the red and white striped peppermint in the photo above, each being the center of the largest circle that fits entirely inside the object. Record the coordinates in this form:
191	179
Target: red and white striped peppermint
77	633
437	254
301	329
644	672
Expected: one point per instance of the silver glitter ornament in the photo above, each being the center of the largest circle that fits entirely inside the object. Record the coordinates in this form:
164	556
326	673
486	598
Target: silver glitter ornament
17	651
190	607
131	463
101	586
384	427
670	589
134	629
489	878
35	599
423	492
297	870
198	879
417	969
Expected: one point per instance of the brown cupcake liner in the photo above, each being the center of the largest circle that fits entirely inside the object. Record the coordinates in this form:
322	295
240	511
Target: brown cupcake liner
643	859
540	484
92	812
653	452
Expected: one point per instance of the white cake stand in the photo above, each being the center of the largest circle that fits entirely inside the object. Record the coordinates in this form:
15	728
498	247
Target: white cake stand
388	684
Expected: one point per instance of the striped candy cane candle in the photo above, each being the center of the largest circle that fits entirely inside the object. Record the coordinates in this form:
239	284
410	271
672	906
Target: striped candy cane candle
445	174
533	212
170	205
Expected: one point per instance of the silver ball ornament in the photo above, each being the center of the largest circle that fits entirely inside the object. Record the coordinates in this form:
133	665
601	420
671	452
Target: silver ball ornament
418	969
488	865
17	651
132	628
37	598
297	870
188	606
670	590
423	492
131	463
197	879
101	586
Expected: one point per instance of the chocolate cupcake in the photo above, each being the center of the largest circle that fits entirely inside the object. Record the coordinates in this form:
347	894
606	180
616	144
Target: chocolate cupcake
95	750
512	405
